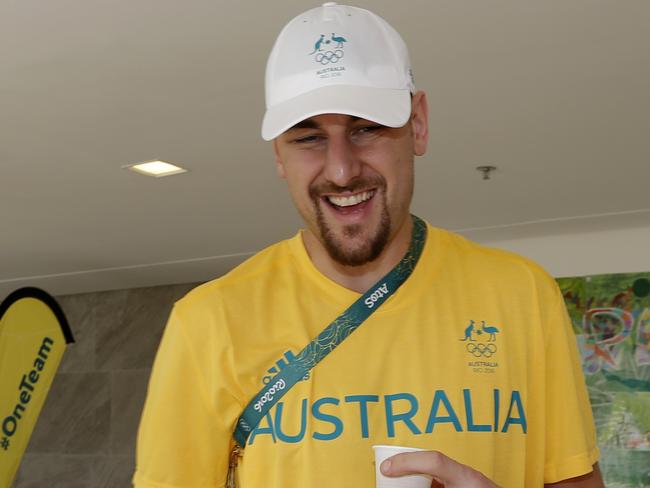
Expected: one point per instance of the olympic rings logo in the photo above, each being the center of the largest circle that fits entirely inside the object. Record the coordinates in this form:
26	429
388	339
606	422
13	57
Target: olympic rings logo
329	57
478	350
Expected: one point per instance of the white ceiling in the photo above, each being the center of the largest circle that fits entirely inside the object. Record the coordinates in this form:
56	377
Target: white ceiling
555	93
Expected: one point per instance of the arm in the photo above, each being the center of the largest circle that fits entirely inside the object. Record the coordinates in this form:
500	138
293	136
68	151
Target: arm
569	417
182	441
589	480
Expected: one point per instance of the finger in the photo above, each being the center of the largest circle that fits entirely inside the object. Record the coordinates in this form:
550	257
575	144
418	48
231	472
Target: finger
421	462
434	463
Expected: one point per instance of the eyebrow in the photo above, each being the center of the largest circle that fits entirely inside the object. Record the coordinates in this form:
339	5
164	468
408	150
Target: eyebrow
311	124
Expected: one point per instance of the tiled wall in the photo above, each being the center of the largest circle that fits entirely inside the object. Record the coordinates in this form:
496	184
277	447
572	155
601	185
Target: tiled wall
85	435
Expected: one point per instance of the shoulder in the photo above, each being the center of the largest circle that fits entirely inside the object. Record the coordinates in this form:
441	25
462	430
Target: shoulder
257	271
493	264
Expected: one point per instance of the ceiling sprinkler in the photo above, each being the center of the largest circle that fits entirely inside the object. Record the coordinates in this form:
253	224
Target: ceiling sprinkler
486	170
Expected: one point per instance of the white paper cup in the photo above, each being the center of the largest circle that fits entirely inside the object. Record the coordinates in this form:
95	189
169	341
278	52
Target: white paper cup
409	481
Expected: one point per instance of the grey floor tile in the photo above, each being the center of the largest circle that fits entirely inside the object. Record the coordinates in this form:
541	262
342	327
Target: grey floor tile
54	471
76	416
133	342
113	472
79	311
129	390
109	318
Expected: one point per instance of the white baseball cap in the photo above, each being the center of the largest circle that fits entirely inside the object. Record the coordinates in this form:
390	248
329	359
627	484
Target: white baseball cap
337	59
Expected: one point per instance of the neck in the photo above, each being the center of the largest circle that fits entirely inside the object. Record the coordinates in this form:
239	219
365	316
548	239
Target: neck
360	278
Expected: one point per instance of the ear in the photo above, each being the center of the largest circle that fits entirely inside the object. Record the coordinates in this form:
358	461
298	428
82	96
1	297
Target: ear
279	165
420	123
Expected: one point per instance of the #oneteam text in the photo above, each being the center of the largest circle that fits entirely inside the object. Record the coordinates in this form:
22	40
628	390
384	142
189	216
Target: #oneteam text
26	388
492	412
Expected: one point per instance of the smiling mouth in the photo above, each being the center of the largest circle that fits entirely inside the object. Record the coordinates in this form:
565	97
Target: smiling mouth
338	201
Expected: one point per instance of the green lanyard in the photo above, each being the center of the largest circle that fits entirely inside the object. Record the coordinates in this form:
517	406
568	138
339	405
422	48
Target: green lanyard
330	337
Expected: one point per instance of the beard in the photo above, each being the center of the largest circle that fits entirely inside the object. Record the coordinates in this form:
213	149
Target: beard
335	245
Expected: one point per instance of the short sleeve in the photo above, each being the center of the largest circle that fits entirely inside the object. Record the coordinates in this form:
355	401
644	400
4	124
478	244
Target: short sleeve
183	439
571	448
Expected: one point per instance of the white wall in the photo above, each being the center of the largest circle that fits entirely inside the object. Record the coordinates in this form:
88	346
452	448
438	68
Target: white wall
577	247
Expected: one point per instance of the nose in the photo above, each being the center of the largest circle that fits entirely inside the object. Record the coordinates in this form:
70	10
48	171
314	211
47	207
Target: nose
342	164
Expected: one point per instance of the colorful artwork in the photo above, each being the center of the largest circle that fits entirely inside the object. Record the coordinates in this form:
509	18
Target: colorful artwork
611	319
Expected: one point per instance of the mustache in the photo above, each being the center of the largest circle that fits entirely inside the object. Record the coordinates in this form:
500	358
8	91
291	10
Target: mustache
354	186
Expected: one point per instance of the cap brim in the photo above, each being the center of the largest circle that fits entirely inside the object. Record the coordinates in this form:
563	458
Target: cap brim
384	106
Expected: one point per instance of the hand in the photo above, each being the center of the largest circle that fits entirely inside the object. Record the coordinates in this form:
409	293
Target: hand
445	471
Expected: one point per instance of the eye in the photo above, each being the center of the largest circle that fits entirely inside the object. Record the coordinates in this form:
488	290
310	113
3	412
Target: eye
370	128
366	132
307	139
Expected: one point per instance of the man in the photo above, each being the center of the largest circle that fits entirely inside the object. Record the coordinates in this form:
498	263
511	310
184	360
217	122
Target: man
503	403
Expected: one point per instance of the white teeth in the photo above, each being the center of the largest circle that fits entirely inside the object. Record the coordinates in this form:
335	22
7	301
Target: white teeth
351	200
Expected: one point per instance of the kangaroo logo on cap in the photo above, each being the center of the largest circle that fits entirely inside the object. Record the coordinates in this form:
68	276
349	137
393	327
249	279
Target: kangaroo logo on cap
332	55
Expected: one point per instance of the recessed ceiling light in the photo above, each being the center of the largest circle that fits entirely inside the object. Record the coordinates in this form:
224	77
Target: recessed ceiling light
156	168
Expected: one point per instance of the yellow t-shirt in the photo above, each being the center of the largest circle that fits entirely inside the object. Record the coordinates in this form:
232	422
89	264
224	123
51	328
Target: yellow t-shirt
473	356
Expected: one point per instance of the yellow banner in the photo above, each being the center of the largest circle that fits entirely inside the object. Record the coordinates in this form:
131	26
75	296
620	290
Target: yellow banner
33	337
